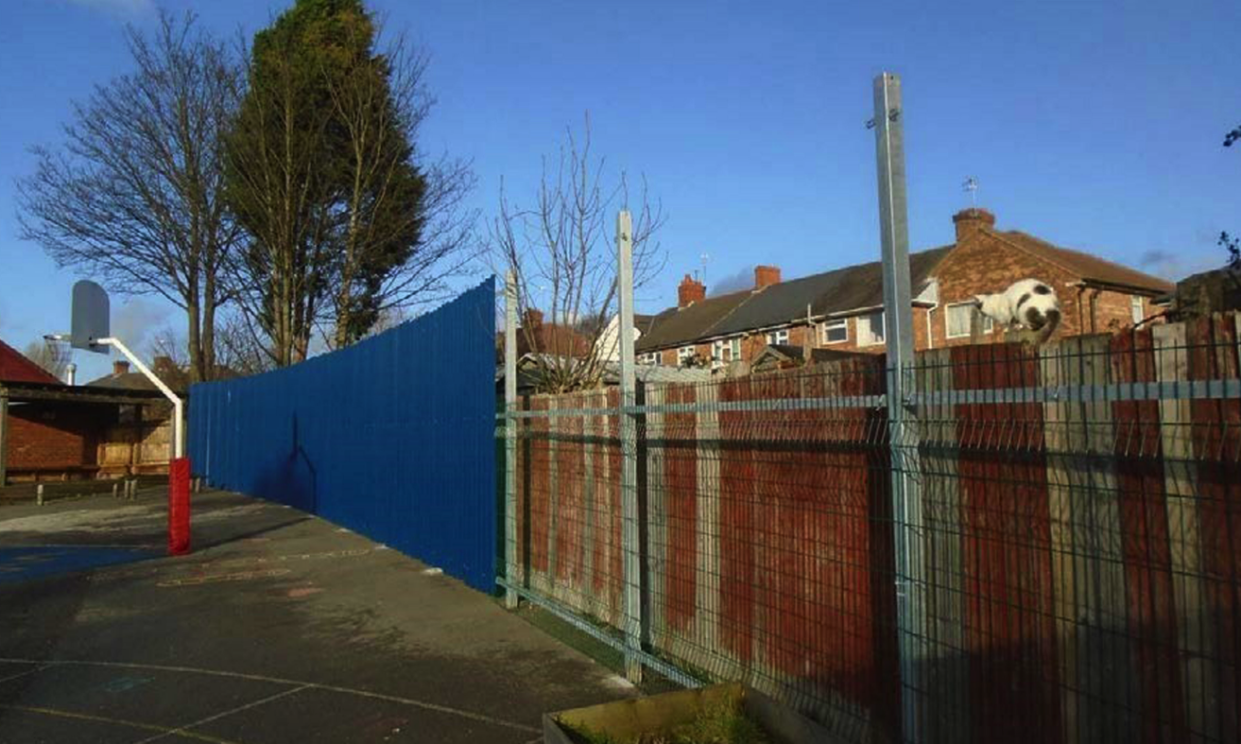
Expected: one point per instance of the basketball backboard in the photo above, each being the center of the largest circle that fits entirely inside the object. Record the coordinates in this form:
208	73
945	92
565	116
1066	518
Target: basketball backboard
90	317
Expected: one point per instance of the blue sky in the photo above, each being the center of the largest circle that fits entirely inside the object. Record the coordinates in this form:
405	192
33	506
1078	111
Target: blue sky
1096	125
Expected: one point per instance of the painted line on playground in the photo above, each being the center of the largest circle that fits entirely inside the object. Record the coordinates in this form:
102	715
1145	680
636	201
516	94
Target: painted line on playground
19	675
162	730
180	730
436	707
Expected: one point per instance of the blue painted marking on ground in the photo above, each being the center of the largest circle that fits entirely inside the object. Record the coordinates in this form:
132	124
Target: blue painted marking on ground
125	684
36	562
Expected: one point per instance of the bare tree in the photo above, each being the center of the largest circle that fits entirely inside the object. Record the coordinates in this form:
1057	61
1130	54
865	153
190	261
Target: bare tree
134	195
241	351
166	342
52	356
563	253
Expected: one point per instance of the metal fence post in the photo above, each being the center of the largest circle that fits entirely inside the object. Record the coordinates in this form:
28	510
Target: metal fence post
899	334
510	438
629	449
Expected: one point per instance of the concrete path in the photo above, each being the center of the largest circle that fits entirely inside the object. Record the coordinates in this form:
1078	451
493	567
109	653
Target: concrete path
280	628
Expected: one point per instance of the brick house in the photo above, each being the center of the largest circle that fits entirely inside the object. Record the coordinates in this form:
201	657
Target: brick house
843	309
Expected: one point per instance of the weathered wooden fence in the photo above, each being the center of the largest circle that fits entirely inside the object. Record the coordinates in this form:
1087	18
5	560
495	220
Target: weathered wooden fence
1081	541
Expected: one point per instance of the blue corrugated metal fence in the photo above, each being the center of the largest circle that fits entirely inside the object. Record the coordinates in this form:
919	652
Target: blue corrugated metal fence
392	437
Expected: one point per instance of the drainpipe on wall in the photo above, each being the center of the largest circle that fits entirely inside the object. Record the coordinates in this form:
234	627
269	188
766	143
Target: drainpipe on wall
930	329
1094	305
813	339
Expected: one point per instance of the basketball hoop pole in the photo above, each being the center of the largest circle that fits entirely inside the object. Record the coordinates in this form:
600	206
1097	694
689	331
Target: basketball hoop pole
91	331
178	435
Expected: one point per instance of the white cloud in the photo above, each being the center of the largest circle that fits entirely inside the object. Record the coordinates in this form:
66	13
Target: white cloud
1175	266
125	9
134	321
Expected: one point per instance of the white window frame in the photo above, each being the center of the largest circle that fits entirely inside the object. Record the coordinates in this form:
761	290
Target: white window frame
868	338
835	324
1137	311
773	337
725	351
650	357
988	324
684	354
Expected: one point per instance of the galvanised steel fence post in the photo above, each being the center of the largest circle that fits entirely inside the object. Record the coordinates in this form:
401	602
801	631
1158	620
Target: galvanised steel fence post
510	438
899	336
630	531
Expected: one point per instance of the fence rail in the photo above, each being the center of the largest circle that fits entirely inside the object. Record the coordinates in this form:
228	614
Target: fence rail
1080	548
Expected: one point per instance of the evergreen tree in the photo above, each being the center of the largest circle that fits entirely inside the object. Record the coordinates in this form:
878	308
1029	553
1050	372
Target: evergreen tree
321	173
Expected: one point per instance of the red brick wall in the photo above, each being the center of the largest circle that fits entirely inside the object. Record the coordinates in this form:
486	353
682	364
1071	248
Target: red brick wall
1112	311
48	436
984	264
46	440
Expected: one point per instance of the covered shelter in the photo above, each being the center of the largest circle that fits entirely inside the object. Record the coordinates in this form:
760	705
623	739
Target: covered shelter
51	431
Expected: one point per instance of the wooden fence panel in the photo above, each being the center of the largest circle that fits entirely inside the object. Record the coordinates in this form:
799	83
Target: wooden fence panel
1180	475
1007	551
947	670
1216	440
1150	609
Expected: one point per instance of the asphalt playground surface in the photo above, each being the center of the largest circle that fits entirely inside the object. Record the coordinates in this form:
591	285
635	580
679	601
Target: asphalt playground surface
278	628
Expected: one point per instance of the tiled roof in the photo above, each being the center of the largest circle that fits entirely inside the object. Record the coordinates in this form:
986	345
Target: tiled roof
125	381
1084	265
679	325
14	367
177	379
839	291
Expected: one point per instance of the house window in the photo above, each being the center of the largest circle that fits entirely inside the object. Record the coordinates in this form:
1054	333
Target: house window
684	355
778	337
959	317
724	351
651	357
1135	307
836	331
870	329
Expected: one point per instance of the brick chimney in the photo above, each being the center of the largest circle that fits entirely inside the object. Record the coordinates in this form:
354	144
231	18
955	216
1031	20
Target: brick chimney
765	276
970	221
690	291
120	368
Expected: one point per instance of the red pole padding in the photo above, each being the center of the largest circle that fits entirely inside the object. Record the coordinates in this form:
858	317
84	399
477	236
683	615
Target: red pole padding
179	506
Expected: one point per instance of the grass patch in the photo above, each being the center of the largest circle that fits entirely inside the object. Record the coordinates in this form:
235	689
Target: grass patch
717	722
